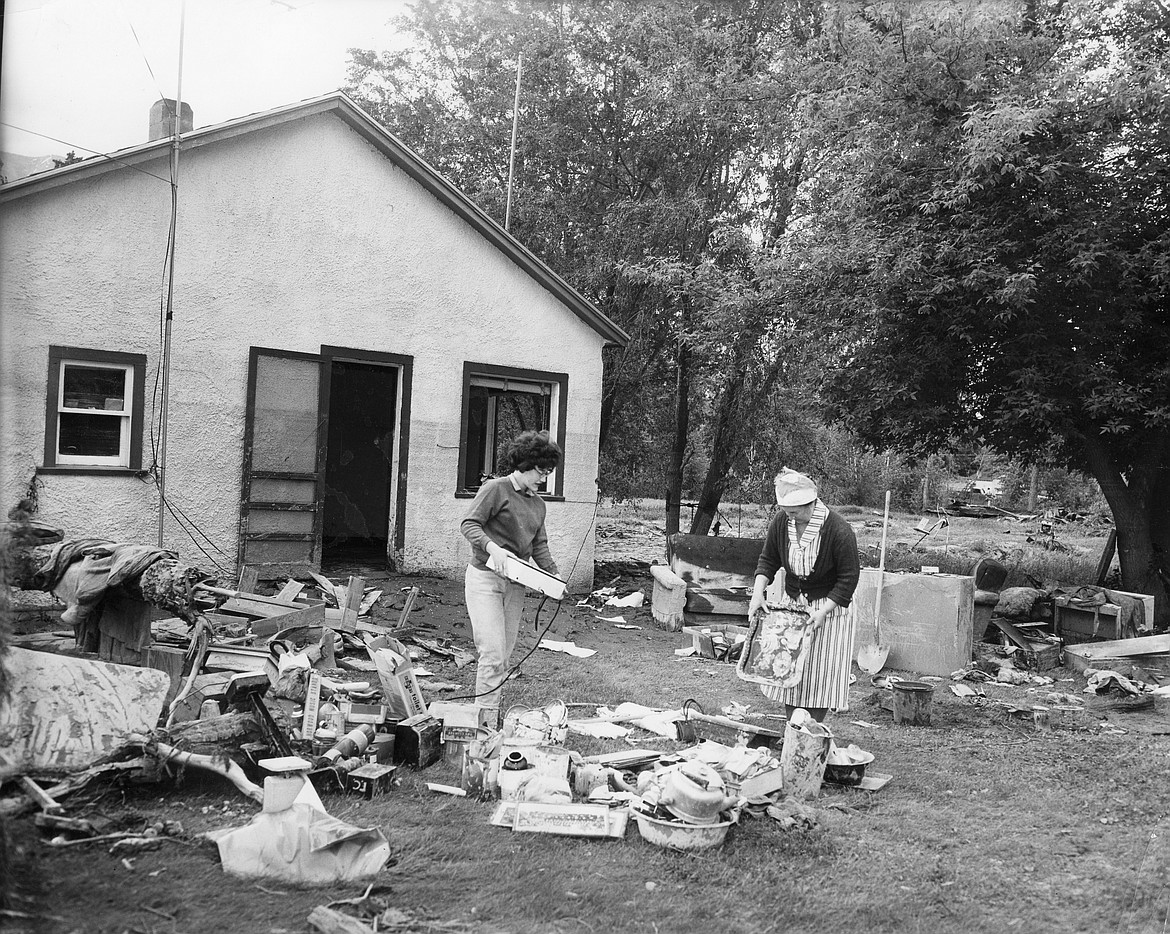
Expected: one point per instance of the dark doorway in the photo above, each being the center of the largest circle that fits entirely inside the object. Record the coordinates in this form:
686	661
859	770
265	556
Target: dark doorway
359	459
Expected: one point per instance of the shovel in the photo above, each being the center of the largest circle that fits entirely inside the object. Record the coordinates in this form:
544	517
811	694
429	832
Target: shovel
872	657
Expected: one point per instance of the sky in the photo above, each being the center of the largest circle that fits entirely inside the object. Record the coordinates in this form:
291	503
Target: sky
85	72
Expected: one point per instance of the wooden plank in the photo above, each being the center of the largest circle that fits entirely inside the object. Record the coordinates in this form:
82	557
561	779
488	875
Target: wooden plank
43	799
249	578
1120	648
407	606
352	603
255	608
306	616
1014	635
327	586
290	591
255	597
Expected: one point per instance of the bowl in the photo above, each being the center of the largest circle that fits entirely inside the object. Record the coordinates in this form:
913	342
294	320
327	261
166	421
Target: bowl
676	835
851	774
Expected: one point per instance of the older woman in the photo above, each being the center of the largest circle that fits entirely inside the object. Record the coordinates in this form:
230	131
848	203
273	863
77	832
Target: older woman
817	549
507	518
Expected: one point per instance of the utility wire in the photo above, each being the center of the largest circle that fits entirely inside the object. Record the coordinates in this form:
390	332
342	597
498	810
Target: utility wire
75	146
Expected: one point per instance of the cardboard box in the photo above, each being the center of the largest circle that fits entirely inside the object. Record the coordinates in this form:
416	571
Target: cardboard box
396	673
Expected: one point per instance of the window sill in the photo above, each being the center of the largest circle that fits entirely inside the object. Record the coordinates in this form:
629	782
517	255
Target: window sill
547	497
82	470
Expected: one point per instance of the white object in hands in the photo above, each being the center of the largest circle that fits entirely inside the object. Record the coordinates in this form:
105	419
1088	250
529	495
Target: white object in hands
526	573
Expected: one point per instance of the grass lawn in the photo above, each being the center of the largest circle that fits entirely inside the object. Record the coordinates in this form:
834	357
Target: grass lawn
987	826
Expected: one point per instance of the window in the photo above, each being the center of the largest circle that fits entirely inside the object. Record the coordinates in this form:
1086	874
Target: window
93	414
498	404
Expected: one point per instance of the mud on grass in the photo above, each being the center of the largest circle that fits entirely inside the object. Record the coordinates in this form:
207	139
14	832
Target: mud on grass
987	825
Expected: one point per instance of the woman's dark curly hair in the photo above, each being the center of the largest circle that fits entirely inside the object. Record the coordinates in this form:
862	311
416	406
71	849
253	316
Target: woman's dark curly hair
532	449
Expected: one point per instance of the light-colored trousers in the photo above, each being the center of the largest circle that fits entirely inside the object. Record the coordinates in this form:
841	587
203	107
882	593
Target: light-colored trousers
495	607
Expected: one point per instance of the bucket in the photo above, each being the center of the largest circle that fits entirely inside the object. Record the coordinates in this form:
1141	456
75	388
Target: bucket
803	757
912	702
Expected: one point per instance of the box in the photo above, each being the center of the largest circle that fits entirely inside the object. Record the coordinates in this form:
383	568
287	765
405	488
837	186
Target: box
363	713
1075	623
396	674
532	577
716	640
462	722
735	732
370	781
418	741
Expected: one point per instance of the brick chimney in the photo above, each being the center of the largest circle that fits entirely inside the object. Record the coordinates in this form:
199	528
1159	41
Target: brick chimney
162	119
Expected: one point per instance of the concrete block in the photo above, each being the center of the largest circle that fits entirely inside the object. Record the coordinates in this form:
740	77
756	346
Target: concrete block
926	620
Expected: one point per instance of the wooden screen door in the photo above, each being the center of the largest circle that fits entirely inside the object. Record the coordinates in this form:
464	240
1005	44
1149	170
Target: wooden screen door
280	524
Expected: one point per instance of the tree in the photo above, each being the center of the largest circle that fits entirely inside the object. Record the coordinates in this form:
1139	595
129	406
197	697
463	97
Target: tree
654	166
990	250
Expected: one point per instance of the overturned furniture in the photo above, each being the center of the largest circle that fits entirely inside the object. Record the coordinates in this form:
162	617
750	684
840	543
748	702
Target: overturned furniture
708	580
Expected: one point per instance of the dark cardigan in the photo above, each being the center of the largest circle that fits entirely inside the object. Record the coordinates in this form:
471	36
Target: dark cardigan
837	567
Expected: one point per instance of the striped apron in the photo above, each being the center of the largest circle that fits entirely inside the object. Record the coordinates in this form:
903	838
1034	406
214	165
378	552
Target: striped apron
825	682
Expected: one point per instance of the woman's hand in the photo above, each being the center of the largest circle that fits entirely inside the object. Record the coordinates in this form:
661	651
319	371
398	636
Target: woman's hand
500	556
757	604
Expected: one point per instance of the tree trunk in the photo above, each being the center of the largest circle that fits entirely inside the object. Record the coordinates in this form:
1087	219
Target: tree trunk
678	445
726	443
1140	502
1033	488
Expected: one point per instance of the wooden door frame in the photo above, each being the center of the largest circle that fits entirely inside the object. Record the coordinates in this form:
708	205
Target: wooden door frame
405	366
254	353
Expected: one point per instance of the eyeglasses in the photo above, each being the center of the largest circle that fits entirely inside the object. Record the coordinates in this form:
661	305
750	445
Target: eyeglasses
543	471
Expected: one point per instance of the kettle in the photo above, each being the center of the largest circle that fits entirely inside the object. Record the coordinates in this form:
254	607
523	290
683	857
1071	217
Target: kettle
693	792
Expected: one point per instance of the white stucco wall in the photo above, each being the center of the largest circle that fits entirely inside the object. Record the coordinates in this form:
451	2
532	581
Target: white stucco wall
290	237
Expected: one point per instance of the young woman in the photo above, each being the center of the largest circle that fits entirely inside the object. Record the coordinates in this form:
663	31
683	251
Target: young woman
818	551
507	518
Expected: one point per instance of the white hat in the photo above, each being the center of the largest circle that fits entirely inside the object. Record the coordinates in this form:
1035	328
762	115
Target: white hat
794	489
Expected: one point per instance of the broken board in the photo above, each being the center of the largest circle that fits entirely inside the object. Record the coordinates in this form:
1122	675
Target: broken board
64	713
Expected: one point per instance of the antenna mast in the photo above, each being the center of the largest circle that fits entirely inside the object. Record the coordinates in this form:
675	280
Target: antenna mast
170	314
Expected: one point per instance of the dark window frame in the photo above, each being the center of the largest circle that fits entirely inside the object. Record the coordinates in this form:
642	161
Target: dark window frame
472	370
136	362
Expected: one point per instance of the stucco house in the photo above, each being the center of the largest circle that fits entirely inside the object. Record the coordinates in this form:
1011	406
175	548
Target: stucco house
352	342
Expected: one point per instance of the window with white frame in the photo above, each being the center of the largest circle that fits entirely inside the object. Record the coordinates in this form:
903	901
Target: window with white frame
94	408
498	404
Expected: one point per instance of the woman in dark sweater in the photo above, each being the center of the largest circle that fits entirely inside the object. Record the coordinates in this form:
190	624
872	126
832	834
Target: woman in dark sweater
507	518
817	549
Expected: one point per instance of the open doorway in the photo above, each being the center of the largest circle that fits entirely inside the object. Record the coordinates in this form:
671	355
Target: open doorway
361	412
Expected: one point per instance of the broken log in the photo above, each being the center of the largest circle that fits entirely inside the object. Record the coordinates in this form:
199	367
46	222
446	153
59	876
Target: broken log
220	765
219	729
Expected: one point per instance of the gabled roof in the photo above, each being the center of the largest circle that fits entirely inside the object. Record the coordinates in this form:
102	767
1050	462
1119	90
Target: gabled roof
342	107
